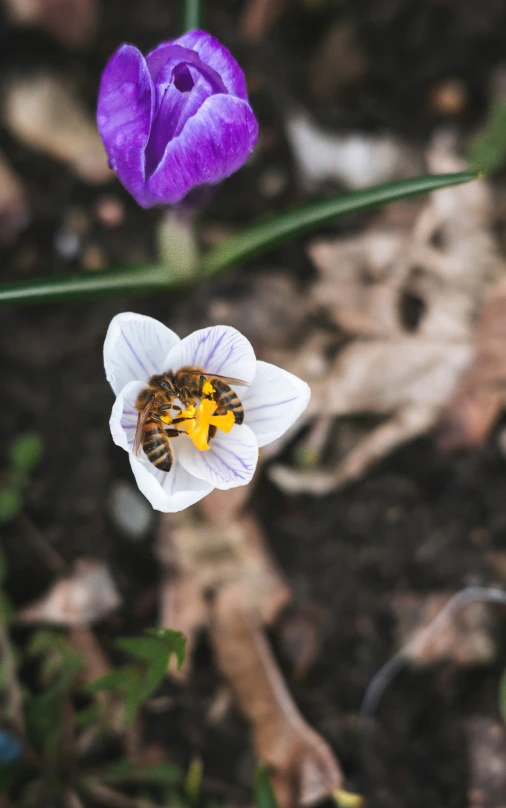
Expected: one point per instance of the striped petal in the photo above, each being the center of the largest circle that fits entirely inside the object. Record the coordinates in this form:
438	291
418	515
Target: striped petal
220	350
134	349
168	492
124	416
274	401
230	462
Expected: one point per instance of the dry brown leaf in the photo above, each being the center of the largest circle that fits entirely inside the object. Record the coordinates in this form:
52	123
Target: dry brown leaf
183	608
14	207
304	768
408	297
88	595
464	639
43	113
259	17
74	22
487	772
200	555
407	379
477	403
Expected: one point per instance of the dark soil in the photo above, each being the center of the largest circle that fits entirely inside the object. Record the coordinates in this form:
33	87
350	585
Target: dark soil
420	522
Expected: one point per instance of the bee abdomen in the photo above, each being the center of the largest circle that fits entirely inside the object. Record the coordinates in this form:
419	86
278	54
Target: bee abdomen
228	401
157	446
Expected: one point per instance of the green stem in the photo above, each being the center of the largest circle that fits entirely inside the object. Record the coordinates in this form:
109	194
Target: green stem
192	16
263	235
110	283
239	248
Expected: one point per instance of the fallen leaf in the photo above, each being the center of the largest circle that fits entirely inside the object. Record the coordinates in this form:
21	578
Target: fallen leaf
304	768
14	207
202	555
475	407
259	17
83	598
404	299
73	22
43	113
465	638
486	741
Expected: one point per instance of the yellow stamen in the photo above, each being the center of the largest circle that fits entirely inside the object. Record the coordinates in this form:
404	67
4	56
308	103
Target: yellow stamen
207	388
199	421
166	419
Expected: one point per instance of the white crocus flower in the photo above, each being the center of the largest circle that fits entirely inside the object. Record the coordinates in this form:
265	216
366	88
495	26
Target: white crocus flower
138	347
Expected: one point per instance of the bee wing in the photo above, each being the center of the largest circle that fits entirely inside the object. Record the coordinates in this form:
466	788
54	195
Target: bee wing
226	379
139	432
229	380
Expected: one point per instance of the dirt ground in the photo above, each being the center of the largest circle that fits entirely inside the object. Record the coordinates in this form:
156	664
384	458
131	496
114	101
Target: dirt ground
421	522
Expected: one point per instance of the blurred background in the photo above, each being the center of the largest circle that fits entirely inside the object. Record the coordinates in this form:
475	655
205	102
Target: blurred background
389	498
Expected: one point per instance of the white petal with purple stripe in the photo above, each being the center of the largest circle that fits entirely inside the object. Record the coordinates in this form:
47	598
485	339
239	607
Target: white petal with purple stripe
274	401
220	349
168	492
231	460
134	349
124	416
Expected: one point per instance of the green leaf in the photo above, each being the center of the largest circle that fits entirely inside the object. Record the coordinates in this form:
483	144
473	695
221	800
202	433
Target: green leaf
85	285
263	790
114	680
26	451
174	641
11	503
125	771
192	17
193	782
250	242
137	681
264	235
502	696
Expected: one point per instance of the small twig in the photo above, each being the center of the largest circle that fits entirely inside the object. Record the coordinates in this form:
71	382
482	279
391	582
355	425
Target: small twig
13	695
48	554
73	800
387	673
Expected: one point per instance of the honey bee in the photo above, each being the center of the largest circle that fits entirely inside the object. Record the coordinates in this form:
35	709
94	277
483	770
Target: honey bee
189	385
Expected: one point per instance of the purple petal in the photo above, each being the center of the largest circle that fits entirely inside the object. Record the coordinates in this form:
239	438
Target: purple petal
214	143
124	115
214	54
179	100
230	462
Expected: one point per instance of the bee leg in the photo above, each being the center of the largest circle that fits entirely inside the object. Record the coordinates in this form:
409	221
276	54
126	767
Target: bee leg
172	433
180	420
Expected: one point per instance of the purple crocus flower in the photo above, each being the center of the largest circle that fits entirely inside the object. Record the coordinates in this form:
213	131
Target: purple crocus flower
175	120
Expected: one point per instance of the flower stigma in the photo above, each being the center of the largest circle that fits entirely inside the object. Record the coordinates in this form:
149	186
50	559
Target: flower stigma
201	418
195	421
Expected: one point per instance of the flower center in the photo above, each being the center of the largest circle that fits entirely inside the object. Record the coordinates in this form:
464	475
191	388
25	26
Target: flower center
183	80
198	421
